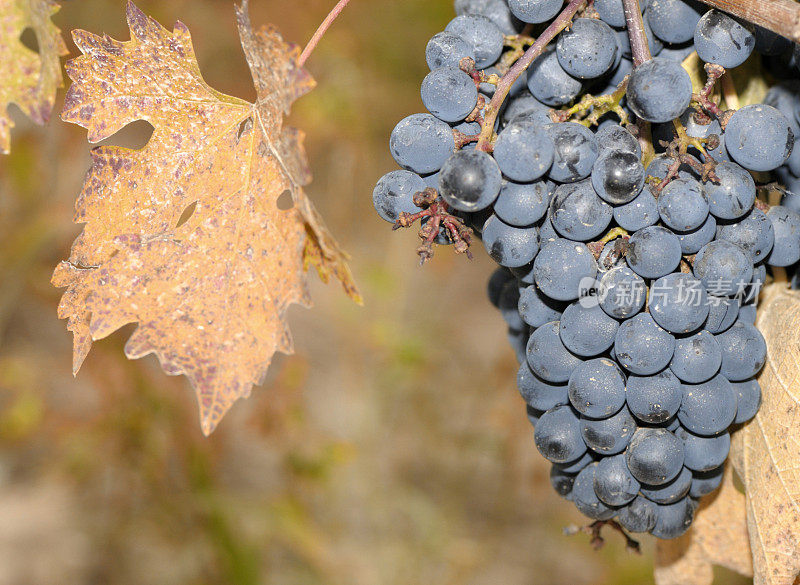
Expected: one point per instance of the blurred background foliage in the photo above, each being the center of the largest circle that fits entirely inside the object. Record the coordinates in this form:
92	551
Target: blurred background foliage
392	449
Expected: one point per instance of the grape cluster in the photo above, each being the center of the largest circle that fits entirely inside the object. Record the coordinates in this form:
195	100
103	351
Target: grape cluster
628	279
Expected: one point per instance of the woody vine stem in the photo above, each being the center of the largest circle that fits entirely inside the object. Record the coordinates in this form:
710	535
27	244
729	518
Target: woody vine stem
323	28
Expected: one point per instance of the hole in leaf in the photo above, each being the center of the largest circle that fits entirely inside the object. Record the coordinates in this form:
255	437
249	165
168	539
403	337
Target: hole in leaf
28	38
285	201
135	135
187	213
244	127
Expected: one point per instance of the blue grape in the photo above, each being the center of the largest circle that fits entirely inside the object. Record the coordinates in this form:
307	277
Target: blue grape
747	314
759	137
614	138
785	97
706	482
533	415
639	213
585	498
578	213
678	303
655	456
527	107
536	309
786	225
560	267
654	399
495	10
674	21
394	194
547	233
449	94
753	233
470	180
609	436
638	516
735	193
524	151
597	388
575	151
659	167
708	408
691	242
547	356
642	347
673	520
558	435
494	287
586	330
611	11
723	267
508	245
613	482
588	49
653	252
523	204
697	358
749	401
483	36
537	393
549	83
622	292
618	176
577	465
683	205
507	303
704	453
722	39
659	90
653	43
744	351
446	49
670	492
421	143
535	11
769	43
562	482
677	53
722	313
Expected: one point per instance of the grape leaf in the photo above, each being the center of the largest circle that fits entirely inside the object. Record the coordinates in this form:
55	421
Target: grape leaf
28	79
766	455
209	294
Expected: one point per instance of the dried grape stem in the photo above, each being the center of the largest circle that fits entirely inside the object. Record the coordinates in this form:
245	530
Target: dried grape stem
504	86
633	19
779	16
323	28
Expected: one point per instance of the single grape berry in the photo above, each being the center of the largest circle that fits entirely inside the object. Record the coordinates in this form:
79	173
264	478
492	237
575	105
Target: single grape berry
587	49
575	151
578	213
558	436
613	482
537	393
697	358
549	83
642	347
585	498
670	492
394	194
470	180
608	436
449	94
653	252
483	36
759	137
597	388
421	143
446	49
524	151
618	176
535	11
683	205
655	456
708	408
523	204
561	266
722	39
659	90
678	302
548	357
587	330
654	399
674	21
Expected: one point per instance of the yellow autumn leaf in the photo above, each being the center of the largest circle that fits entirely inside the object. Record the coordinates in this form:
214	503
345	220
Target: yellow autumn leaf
210	295
28	79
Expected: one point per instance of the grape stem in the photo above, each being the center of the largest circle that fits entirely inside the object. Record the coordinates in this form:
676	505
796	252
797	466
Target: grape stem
638	38
779	16
323	28
561	22
640	50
